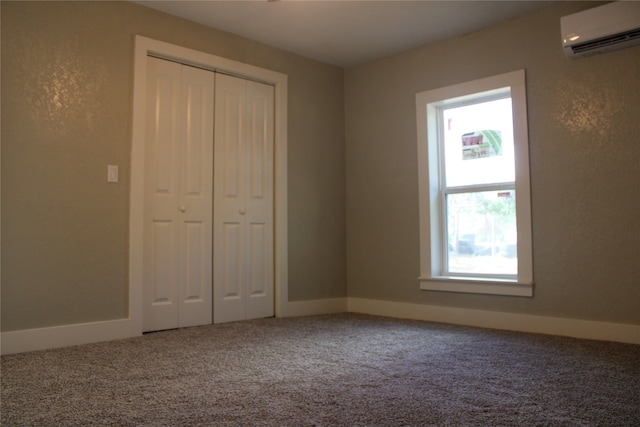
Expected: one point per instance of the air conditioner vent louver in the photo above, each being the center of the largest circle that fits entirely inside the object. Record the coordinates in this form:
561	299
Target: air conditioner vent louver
607	42
601	29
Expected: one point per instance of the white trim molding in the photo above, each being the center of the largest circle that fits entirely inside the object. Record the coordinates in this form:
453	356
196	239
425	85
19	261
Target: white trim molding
85	333
67	335
576	328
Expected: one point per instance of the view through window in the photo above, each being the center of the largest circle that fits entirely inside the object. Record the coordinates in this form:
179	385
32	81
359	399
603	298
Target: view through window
478	187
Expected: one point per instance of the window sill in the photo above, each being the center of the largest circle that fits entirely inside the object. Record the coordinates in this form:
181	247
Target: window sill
476	286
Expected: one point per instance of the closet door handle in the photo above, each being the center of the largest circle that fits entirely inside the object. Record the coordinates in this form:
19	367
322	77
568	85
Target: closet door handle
183	209
241	211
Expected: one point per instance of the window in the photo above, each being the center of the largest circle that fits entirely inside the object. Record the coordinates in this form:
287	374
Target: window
475	209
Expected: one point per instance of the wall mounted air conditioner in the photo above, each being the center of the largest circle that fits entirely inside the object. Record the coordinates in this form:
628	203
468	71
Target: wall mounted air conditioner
601	29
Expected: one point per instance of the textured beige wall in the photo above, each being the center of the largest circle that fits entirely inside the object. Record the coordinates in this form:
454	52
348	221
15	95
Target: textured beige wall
585	169
67	72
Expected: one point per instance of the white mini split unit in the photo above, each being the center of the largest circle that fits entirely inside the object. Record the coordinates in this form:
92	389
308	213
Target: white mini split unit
601	29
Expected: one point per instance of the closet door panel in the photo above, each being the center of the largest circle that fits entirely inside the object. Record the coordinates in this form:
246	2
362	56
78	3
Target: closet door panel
243	200
161	196
196	203
178	196
229	196
259	255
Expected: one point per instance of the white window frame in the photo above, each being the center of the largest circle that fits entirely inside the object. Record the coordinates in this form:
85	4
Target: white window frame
431	202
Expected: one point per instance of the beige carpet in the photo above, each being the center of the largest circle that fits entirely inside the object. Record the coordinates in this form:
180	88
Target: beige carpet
333	370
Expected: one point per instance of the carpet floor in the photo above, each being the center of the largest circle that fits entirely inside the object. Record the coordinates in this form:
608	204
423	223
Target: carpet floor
330	370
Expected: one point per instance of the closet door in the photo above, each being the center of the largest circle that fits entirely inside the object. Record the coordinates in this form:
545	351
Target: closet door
243	200
178	196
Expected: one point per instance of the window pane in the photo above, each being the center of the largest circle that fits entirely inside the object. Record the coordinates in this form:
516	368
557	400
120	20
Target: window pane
481	232
478	141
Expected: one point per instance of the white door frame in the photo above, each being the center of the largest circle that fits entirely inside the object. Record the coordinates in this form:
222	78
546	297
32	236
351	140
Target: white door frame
144	47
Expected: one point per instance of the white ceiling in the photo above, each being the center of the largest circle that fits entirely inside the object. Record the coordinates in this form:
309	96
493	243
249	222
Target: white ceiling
347	32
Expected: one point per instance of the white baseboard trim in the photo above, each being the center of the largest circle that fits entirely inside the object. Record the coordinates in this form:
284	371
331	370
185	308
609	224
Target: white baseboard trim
313	307
575	328
67	335
12	342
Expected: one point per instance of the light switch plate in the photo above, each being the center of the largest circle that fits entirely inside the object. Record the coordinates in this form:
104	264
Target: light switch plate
112	173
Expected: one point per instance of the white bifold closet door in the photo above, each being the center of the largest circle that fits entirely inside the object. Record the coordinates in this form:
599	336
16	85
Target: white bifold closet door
178	196
243	200
208	208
